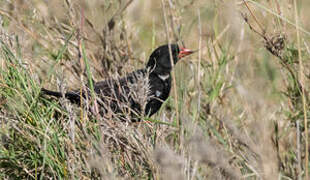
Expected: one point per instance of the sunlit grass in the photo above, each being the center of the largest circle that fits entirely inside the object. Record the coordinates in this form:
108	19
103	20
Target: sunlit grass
238	114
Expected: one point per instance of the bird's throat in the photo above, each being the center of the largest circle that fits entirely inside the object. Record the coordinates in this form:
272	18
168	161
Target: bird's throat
164	77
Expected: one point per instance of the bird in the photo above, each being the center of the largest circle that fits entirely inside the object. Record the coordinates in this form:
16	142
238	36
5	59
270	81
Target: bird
141	92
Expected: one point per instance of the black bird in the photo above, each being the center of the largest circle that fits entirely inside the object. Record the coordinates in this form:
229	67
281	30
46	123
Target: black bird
141	92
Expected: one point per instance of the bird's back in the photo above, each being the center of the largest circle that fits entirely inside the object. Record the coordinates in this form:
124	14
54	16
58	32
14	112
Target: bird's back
127	96
139	93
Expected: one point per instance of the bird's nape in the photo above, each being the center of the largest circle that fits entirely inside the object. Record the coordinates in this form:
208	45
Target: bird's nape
160	61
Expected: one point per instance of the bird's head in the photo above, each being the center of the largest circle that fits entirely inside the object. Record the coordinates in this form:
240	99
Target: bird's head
160	62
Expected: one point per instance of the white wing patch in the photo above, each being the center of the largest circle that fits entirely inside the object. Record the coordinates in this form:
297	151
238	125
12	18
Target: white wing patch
157	93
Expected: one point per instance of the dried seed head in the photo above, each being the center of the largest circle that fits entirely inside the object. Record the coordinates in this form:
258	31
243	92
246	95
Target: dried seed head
276	44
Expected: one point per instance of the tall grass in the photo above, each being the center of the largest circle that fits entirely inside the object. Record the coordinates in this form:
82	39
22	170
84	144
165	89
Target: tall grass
238	108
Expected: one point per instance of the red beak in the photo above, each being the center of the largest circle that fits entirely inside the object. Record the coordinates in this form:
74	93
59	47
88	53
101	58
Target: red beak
184	52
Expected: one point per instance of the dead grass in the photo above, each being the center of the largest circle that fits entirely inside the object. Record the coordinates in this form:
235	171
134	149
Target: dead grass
238	109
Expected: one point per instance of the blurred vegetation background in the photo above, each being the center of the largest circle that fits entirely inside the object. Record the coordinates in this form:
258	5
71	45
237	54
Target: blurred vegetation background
242	100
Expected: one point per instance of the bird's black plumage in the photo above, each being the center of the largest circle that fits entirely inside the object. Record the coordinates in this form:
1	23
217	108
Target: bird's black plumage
141	92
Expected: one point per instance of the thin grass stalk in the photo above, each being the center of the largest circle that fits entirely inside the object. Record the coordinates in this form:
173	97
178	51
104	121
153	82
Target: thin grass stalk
45	148
81	62
59	56
280	17
199	63
90	81
298	150
173	73
255	19
302	82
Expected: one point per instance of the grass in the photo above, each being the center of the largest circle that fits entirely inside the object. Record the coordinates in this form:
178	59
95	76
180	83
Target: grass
238	108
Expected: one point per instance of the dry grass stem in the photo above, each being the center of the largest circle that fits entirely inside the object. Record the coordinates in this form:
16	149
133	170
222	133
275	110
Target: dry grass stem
235	111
